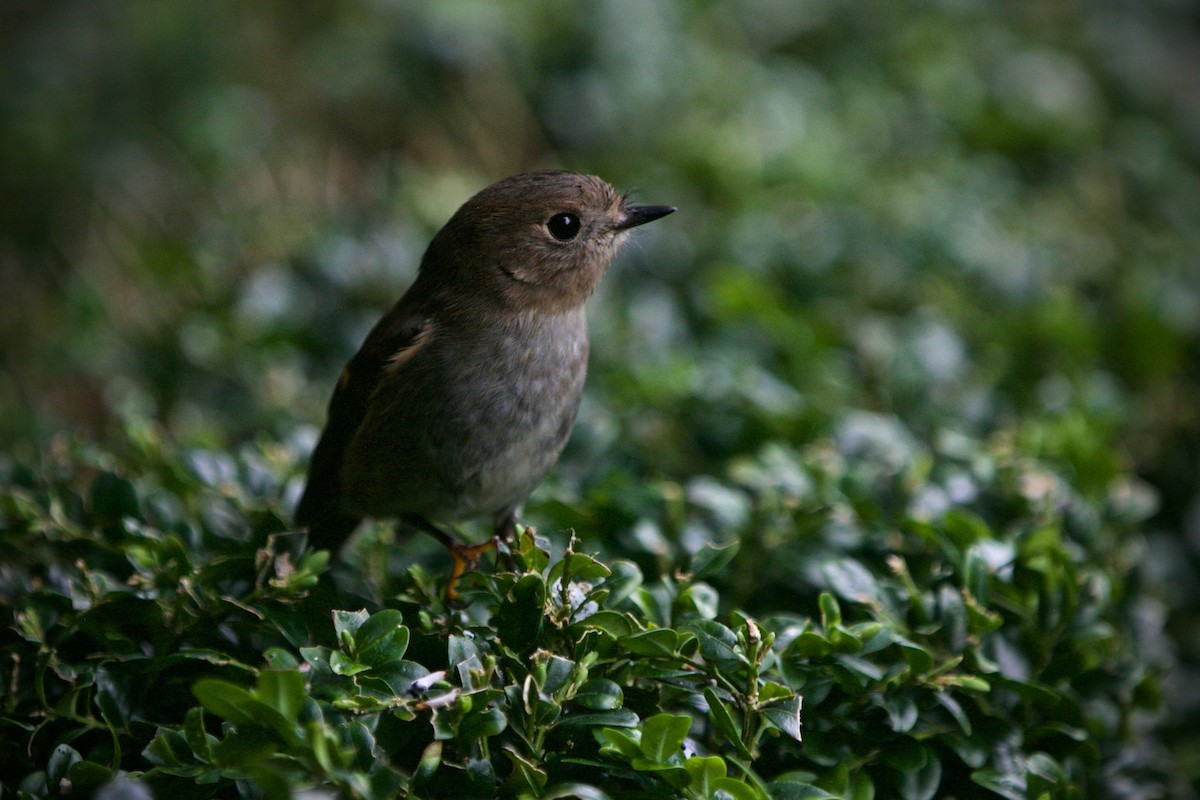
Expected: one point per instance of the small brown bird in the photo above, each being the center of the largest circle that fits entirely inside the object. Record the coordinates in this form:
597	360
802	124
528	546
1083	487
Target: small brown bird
462	396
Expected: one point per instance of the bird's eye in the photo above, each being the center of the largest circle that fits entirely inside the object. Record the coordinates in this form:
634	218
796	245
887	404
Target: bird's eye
563	226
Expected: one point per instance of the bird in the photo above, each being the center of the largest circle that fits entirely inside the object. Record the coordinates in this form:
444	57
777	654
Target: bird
462	396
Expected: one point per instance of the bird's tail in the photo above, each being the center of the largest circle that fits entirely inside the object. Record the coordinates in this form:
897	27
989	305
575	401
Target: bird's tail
328	528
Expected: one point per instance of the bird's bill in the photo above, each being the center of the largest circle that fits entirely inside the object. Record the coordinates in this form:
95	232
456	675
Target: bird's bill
640	215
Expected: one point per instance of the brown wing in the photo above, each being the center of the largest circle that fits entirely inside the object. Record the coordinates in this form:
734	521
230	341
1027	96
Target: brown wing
321	509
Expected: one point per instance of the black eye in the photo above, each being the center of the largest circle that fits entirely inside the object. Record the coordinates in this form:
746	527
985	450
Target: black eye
563	226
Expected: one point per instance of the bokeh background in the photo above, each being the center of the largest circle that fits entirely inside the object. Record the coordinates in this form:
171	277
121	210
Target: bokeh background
966	216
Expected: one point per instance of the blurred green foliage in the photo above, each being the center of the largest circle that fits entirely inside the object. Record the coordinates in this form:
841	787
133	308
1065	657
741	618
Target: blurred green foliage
907	228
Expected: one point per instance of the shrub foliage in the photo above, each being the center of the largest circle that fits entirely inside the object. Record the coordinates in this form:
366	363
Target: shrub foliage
858	618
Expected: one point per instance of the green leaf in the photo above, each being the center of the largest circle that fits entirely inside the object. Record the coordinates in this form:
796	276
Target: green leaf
347	623
542	709
462	652
1008	785
381	638
735	790
278	658
977	573
599	694
861	788
482	724
699	599
625	742
711	558
318	659
862	670
169	749
963	527
580	791
920	772
902	711
614	623
661	642
214	469
717	642
283	690
245	747
920	659
363	741
199	740
771	691
850	580
785	715
1033	692
520	617
579	567
558	671
968	683
531	553
619	717
341	664
397	676
62	758
626	578
704	772
795	790
87	776
273	785
956	711
527	778
228	701
953	617
676	776
663	735
234	704
427	766
112	696
807	645
831	612
722	718
1044	772
843	640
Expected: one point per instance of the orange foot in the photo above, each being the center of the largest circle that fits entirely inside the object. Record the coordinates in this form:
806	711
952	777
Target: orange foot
465	557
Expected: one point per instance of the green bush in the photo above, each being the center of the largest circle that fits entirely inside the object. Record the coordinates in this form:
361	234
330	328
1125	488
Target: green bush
862	617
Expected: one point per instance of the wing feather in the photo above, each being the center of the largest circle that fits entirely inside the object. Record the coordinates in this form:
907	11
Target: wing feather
389	346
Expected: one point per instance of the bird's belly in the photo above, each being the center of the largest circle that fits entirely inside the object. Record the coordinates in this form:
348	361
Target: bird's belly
460	436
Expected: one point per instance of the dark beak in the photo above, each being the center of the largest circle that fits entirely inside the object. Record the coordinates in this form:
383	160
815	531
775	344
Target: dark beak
640	215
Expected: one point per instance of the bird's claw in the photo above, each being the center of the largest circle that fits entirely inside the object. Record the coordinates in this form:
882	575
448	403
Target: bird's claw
465	557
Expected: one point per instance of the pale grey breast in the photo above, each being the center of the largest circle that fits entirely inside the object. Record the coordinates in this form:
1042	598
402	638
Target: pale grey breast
495	413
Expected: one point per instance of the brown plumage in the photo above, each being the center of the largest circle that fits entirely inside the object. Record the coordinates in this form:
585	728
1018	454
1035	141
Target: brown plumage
463	395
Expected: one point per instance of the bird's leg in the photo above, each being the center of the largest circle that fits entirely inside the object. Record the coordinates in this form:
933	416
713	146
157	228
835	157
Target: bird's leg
464	556
505	538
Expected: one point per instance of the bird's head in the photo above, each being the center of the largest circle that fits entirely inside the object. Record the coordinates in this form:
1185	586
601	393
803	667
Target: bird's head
539	240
